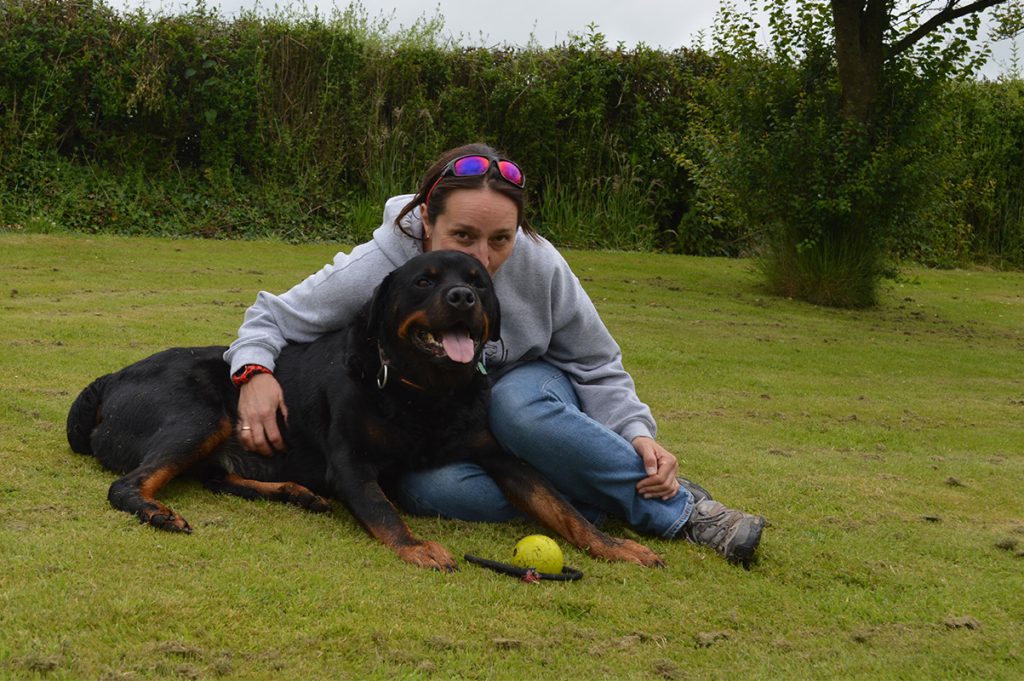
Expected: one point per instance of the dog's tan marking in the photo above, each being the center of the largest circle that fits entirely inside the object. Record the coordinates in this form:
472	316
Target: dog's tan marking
153	483
417	318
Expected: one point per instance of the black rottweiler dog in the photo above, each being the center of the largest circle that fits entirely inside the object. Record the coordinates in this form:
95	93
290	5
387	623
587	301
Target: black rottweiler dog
397	389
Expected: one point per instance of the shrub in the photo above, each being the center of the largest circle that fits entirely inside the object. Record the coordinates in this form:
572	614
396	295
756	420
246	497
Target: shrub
980	216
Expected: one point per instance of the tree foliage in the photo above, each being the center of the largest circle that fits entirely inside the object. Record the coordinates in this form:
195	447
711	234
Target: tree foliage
941	36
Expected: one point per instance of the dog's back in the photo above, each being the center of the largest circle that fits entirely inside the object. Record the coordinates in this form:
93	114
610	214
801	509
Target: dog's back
152	421
116	417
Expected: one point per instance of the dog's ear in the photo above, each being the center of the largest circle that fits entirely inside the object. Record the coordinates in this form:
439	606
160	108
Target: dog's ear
380	298
495	315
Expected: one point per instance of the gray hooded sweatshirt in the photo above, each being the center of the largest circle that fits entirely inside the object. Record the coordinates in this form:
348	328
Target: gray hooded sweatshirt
545	314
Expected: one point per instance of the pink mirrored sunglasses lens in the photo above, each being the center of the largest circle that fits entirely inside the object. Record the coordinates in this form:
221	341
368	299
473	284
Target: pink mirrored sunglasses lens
470	166
511	172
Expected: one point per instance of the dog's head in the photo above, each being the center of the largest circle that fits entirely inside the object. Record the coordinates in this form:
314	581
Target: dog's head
433	315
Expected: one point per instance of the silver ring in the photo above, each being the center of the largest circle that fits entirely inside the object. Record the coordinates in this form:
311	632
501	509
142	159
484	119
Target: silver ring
245	428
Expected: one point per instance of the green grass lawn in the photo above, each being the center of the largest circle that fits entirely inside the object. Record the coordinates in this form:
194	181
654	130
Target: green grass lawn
886	447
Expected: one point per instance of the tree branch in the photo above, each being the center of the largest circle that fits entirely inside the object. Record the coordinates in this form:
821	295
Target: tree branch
950	13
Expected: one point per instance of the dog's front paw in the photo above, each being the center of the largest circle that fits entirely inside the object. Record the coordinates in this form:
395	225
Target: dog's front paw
429	554
163	518
294	493
628	550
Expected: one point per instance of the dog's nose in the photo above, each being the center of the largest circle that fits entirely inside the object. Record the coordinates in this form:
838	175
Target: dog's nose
461	297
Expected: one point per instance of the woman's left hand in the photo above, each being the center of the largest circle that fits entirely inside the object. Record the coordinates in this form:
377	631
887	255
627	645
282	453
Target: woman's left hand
661	468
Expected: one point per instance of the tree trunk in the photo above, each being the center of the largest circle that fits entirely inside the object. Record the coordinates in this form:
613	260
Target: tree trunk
860	52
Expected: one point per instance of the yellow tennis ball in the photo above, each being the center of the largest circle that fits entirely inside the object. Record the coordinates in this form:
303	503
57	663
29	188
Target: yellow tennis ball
538	552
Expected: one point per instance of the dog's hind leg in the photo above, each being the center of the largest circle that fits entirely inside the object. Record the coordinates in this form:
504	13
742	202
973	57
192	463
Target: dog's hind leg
287	492
136	492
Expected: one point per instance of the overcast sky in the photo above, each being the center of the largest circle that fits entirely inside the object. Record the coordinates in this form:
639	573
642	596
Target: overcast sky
658	23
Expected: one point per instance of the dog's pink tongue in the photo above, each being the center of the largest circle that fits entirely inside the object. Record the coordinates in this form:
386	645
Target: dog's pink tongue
458	346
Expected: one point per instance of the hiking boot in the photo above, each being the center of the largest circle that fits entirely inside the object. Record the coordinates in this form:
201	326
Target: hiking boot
733	534
696	491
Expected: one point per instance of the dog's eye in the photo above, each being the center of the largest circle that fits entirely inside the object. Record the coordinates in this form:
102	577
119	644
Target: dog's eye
424	282
474	279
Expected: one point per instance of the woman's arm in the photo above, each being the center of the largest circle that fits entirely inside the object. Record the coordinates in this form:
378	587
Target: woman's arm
323	302
583	347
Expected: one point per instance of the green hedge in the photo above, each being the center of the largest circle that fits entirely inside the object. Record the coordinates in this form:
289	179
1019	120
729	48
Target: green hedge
297	126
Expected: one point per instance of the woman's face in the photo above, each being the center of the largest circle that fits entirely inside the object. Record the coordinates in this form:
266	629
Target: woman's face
479	222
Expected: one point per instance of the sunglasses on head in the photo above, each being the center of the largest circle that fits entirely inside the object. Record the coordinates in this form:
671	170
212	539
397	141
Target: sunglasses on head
475	165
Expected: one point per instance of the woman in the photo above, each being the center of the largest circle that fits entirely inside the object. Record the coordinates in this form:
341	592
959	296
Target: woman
561	398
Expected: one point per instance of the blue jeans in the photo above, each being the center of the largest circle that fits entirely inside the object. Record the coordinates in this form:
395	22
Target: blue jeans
536	416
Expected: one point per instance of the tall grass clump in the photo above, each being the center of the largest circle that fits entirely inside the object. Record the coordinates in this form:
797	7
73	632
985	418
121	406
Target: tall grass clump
835	271
611	210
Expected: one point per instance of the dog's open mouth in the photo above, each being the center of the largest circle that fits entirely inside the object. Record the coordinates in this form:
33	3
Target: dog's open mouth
455	344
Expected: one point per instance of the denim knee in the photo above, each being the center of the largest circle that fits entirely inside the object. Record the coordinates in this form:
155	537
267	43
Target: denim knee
525	394
536	416
459	491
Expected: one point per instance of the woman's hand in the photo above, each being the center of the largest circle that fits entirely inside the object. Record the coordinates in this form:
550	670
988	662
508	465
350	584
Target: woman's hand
661	468
259	400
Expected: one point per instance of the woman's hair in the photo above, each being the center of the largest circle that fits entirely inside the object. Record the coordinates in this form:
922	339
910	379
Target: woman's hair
439	196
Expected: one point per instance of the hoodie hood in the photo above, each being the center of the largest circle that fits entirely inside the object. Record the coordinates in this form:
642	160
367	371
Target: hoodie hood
397	246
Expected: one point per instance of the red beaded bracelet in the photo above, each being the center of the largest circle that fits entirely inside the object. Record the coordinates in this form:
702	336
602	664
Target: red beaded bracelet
245	374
